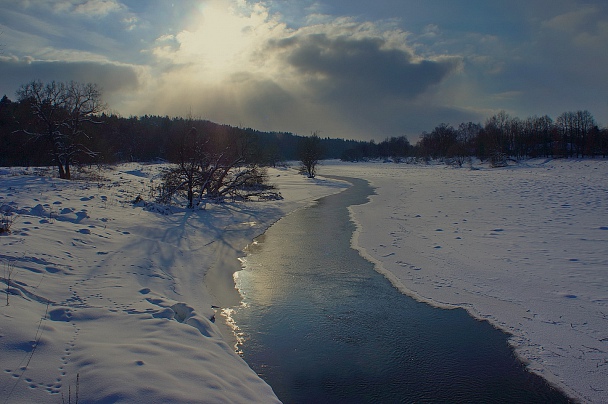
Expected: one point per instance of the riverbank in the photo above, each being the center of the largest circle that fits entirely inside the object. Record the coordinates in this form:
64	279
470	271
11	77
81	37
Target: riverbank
115	294
113	298
308	298
522	247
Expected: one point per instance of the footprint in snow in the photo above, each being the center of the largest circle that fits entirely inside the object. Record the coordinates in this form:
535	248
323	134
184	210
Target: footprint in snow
52	270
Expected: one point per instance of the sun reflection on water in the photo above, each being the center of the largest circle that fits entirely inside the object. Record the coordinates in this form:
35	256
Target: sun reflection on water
239	335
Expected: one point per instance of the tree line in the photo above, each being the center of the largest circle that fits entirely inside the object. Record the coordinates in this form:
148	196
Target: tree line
65	124
572	134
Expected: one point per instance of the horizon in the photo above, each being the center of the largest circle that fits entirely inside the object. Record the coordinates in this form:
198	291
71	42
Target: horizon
343	68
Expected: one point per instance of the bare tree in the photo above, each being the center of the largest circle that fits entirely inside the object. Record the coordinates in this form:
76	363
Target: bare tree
209	168
60	110
310	153
187	172
575	129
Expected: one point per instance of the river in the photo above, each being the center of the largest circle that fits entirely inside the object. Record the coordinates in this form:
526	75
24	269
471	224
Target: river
320	325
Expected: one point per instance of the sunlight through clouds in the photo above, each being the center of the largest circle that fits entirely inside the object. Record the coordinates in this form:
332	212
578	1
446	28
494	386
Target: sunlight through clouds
348	68
223	39
237	62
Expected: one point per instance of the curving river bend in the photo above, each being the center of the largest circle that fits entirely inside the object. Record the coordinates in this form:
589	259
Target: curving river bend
320	325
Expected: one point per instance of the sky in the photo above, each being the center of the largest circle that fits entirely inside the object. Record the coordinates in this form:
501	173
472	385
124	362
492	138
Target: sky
350	69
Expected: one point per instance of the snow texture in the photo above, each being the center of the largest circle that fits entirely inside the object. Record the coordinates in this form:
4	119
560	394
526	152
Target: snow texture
125	295
524	247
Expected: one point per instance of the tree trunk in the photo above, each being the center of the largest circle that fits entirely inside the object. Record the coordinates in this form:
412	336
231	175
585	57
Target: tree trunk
190	197
62	173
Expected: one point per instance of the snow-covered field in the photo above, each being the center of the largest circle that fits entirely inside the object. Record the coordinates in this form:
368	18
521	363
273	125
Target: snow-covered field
126	298
525	247
123	297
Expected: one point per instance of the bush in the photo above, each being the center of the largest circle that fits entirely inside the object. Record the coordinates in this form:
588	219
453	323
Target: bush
498	159
7	219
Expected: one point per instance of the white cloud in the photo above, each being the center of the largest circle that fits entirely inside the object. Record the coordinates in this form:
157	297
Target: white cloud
238	63
223	40
90	8
289	65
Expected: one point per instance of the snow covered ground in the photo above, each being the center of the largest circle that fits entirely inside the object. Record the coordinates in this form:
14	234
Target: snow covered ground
525	247
122	297
126	298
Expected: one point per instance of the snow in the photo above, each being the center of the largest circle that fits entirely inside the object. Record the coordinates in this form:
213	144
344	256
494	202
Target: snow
524	247
124	297
129	298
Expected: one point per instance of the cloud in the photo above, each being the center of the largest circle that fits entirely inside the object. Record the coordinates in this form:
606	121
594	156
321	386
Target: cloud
584	29
309	65
89	8
563	67
242	65
572	21
239	62
112	78
345	67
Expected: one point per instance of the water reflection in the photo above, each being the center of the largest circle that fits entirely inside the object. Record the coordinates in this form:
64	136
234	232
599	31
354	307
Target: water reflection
320	325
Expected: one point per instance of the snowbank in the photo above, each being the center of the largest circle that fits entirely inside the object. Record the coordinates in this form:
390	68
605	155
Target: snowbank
524	247
126	298
122	297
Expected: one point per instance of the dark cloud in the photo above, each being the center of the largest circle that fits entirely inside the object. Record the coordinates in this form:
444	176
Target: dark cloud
346	67
359	86
263	99
110	77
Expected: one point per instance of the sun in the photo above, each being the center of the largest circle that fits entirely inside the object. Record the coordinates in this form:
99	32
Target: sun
223	38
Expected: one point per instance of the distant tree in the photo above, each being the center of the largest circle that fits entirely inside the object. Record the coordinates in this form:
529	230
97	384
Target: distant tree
395	148
354	154
310	153
467	134
60	111
440	142
602	142
575	129
538	136
495	133
585	125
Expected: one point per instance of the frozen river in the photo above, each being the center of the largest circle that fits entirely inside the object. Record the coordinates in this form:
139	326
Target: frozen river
319	324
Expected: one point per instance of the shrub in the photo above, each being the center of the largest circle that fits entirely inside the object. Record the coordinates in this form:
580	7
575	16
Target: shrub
7	219
498	159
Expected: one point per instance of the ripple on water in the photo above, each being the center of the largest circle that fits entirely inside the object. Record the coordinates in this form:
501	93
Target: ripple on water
326	327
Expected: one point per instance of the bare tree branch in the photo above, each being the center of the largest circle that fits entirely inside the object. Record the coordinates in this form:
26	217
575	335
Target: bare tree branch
60	109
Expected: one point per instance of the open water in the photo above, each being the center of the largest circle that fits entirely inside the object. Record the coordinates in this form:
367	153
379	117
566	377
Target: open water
320	325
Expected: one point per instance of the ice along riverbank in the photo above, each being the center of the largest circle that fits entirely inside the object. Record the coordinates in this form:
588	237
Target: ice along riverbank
320	325
522	246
